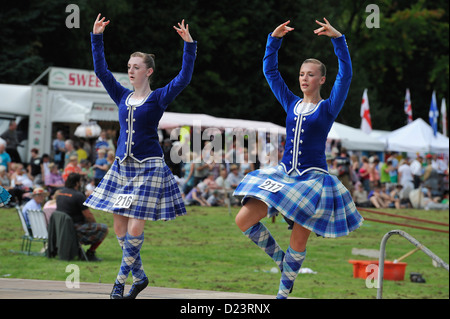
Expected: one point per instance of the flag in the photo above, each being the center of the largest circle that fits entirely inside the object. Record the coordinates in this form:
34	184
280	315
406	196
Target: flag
444	117
366	122
434	113
408	107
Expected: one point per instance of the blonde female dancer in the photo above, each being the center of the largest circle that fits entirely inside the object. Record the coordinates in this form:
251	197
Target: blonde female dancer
300	188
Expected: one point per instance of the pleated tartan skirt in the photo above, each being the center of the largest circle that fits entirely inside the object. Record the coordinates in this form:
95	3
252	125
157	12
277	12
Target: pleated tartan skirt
155	193
316	200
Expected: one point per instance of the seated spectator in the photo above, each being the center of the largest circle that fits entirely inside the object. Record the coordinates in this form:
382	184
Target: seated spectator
378	198
71	201
35	203
71	167
195	196
21	184
21	179
360	196
235	176
212	191
5	182
50	206
53	180
4	179
221	181
397	196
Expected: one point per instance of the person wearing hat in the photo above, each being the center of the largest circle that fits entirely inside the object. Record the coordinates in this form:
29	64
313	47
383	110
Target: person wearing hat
35	203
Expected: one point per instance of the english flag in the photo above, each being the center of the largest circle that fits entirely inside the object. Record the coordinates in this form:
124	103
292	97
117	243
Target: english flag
434	113
444	117
366	122
408	107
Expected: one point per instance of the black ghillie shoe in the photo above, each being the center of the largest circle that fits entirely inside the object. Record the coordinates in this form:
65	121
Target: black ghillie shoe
136	288
117	291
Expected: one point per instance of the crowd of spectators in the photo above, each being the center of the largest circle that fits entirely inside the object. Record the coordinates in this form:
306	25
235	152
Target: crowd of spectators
397	182
210	180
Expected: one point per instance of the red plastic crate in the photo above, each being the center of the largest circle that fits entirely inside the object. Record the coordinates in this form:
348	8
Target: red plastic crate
392	271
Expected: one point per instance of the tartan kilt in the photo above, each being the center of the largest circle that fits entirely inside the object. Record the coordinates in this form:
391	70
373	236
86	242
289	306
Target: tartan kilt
316	200
156	193
90	233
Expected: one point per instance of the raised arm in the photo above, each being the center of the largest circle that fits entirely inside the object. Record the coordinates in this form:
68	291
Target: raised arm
171	90
114	89
183	31
343	79
270	66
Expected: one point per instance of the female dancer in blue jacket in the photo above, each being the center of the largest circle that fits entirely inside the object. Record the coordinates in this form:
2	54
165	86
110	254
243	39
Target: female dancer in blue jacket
139	186
300	188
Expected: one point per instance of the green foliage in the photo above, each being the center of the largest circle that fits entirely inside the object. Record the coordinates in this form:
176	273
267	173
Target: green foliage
409	50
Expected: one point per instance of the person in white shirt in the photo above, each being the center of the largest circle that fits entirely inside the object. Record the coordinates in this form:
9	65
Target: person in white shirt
417	171
405	177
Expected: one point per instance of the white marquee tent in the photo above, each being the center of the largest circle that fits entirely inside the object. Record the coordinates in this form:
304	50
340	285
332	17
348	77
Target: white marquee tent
172	120
417	137
354	139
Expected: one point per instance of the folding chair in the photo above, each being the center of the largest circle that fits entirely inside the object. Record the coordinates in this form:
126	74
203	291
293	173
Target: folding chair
27	239
38	226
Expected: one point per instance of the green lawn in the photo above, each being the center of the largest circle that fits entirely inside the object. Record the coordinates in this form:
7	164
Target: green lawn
206	250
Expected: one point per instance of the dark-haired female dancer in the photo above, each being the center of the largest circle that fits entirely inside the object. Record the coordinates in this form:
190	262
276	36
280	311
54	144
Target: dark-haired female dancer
139	186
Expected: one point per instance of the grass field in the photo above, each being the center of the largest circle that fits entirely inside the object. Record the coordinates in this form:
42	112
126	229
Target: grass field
206	250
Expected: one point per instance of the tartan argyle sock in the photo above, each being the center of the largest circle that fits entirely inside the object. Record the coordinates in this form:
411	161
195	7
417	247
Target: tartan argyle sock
131	258
292	263
262	237
121	240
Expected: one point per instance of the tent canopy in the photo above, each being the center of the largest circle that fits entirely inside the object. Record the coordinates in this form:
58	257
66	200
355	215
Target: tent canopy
15	99
354	139
417	137
172	120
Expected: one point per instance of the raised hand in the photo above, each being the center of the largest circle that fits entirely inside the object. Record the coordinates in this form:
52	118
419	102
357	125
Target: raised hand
282	30
99	25
327	29
183	31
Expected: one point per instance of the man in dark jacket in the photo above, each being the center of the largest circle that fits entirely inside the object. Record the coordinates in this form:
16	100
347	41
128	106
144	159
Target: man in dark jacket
70	201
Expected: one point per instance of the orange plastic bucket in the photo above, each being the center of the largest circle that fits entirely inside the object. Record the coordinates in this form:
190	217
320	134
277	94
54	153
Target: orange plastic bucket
392	271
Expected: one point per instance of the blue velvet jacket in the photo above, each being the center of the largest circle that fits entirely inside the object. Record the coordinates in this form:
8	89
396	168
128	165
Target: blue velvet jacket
138	137
306	133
